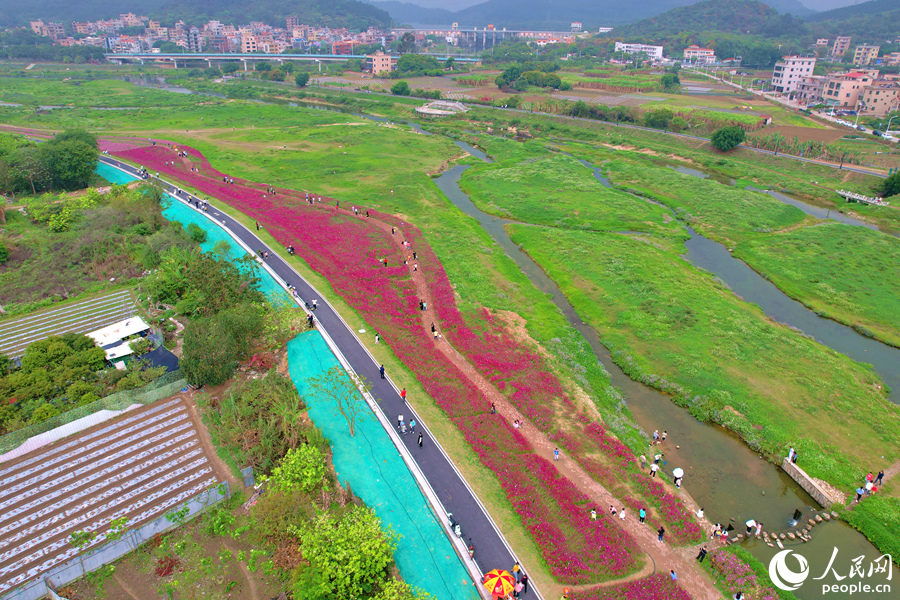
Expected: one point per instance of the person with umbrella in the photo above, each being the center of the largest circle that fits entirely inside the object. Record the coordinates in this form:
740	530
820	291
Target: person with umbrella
678	474
499	583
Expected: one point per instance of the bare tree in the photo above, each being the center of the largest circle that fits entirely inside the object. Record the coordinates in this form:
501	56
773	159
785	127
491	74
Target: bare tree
344	391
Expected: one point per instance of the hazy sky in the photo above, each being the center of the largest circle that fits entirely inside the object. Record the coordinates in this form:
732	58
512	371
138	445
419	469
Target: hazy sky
454	5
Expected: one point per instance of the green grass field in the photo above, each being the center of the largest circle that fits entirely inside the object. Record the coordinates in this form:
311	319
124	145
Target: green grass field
671	324
839	270
843	272
555	190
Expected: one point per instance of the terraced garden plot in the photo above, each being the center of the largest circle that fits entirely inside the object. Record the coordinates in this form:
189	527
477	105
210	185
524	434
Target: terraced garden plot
79	317
139	466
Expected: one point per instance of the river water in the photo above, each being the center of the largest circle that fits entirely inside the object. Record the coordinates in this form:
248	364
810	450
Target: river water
722	474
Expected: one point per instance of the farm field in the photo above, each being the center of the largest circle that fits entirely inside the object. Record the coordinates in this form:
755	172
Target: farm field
138	466
80	316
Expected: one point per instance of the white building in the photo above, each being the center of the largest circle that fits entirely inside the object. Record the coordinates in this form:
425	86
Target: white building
790	72
652	52
695	53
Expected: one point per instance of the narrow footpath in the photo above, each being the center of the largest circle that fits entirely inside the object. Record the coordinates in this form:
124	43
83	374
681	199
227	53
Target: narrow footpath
663	558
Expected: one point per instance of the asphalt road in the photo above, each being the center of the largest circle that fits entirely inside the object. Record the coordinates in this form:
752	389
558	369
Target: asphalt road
491	550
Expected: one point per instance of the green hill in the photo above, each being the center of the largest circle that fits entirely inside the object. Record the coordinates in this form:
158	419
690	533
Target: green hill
744	17
332	13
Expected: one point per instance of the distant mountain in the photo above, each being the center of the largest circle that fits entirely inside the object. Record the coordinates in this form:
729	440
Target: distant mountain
543	14
16	12
404	13
790	7
857	10
333	13
719	16
869	22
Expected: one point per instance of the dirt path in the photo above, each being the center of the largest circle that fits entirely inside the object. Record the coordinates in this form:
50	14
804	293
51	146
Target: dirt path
250	582
125	588
663	558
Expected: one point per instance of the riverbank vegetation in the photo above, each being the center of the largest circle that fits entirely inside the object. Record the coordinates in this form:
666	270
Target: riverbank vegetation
838	270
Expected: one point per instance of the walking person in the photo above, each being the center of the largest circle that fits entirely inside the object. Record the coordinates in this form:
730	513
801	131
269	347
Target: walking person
653	469
660	533
412	425
622	514
593	514
403	394
662	438
643	462
556	454
642	514
524	582
399	420
673	575
879	477
493	409
377	338
380	369
702	554
420	439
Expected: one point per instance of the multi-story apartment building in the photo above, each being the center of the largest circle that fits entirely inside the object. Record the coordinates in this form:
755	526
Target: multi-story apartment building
694	53
880	98
194	40
652	52
249	43
822	42
841	45
844	89
790	71
810	88
380	63
292	22
865	55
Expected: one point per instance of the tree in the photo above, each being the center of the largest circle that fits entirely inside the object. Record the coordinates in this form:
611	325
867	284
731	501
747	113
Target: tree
407	43
726	138
349	557
213	345
344	392
301	79
263	66
891	185
669	81
401	88
449	63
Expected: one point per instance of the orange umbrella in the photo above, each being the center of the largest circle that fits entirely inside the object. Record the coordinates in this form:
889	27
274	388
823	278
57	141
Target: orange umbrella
498	582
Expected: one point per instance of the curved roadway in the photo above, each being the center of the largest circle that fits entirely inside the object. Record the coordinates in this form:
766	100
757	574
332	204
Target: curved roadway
492	550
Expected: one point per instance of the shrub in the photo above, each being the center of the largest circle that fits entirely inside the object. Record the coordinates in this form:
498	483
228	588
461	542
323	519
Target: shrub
4	253
401	88
302	468
196	233
726	138
301	79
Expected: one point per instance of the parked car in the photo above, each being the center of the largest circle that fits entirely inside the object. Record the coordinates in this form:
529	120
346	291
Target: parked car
861	128
877	133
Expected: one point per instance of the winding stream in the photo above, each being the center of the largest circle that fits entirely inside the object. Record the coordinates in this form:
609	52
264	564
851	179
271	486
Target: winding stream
722	474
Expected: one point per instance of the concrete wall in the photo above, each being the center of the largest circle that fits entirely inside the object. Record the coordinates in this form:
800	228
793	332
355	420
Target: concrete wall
812	487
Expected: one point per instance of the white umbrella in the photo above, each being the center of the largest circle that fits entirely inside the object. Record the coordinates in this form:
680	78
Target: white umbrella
678	472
